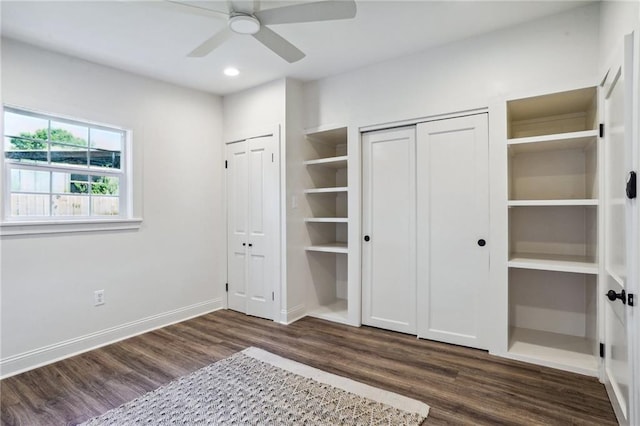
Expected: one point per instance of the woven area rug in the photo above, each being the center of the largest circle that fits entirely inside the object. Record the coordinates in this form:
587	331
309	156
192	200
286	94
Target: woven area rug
255	387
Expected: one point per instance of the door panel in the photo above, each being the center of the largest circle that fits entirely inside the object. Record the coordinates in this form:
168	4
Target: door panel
252	215
388	268
237	209
263	211
453	215
617	217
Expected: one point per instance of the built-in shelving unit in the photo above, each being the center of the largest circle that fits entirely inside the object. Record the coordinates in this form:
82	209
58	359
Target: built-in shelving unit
327	224
553	222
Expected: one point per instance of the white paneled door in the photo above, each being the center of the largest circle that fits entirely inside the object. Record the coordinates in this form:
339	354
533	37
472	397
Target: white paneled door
620	216
389	230
252	225
453	226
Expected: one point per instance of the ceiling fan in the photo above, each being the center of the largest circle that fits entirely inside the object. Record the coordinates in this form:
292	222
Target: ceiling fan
254	22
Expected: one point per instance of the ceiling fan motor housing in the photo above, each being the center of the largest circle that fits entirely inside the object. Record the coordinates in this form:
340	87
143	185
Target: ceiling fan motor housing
241	23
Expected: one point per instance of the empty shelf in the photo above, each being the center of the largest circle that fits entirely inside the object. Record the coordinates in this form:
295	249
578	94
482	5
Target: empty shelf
550	262
327	219
325	190
329	248
331	162
560	141
541	203
335	311
554	350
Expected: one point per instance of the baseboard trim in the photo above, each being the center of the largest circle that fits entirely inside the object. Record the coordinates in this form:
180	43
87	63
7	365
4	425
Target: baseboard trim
292	315
29	360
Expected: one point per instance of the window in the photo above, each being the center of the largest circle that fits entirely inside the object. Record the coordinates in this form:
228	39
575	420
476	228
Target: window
62	169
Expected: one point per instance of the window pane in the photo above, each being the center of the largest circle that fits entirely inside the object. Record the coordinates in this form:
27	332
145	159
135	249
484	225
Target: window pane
25	150
71	134
105	185
70	205
105	206
25	126
68	183
102	158
106	140
29	205
29	181
106	148
65	154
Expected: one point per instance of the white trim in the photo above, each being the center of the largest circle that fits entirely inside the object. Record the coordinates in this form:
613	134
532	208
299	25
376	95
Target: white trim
289	316
382	396
39	357
16	228
414	121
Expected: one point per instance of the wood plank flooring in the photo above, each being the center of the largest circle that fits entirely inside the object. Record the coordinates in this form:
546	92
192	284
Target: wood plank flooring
462	386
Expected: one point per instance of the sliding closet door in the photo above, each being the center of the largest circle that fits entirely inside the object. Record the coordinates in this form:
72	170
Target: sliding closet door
252	215
389	237
453	224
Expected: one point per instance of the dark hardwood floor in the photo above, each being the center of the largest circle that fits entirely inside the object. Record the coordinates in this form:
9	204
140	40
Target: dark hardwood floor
462	386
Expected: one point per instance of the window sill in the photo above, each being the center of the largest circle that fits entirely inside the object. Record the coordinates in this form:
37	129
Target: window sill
14	228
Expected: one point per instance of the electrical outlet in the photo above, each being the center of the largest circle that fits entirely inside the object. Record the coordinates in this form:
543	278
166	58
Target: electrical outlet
98	297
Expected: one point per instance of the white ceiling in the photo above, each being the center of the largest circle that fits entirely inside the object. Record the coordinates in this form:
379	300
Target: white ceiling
152	38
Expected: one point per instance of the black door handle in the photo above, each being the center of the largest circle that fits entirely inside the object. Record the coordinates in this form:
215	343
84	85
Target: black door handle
612	295
250	245
367	238
244	244
482	242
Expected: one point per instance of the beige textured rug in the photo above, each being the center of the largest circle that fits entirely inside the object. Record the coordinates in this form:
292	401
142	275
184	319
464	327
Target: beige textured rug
255	387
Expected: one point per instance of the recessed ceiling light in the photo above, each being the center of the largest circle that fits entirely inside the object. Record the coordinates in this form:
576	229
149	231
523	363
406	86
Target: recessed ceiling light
231	71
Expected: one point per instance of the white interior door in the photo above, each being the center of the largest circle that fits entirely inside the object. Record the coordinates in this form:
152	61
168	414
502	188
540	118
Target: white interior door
237	223
389	222
618	212
253	206
453	225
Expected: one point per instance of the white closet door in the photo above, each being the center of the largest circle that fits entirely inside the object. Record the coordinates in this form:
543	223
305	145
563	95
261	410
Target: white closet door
620	214
252	215
453	218
389	206
237	223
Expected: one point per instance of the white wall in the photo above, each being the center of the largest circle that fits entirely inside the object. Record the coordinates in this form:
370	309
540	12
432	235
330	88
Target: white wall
546	54
168	270
254	110
617	19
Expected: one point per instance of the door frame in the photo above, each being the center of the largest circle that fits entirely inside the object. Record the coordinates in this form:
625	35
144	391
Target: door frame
279	240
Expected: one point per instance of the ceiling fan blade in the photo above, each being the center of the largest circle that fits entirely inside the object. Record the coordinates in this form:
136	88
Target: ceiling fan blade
308	12
279	45
183	7
210	44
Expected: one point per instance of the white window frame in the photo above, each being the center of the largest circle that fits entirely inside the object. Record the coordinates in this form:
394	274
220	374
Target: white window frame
17	225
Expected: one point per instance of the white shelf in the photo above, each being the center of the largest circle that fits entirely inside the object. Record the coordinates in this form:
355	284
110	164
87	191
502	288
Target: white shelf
329	248
336	311
326	190
330	136
330	162
542	203
558	263
554	350
327	219
558	141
